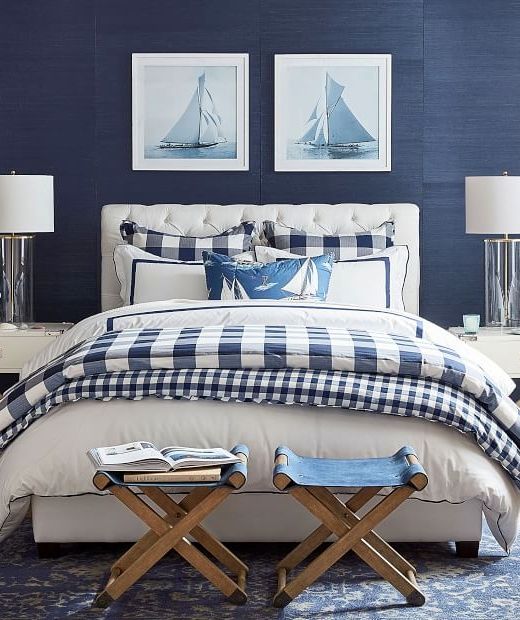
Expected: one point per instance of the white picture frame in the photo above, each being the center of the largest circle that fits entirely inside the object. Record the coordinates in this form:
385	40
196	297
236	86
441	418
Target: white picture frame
312	109
190	112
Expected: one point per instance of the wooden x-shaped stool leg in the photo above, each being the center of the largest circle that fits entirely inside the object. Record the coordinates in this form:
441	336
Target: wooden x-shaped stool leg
353	533
169	532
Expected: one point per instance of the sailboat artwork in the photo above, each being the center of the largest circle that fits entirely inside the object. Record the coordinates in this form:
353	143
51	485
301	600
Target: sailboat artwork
190	111
332	112
332	123
200	125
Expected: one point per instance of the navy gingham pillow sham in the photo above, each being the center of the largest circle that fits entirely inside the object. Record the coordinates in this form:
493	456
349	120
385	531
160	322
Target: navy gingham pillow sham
343	247
177	247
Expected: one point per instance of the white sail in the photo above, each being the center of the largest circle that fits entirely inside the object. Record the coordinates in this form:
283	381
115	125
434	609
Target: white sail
314	130
211	107
333	92
314	114
322	132
186	129
209	121
309	132
226	293
297	282
217	119
208	129
311	282
344	127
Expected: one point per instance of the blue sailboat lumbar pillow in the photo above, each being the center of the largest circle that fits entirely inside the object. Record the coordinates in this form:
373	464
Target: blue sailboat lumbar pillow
303	278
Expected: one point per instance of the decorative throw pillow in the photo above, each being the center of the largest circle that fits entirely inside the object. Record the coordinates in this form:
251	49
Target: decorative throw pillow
177	247
376	280
301	278
343	247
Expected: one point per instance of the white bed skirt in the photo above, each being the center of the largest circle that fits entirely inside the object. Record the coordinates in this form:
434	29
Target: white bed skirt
247	517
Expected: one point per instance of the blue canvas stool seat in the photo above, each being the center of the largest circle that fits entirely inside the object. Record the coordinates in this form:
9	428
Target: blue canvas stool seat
309	481
170	531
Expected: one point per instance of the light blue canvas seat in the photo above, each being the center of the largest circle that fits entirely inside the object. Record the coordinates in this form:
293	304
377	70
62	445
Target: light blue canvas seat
392	471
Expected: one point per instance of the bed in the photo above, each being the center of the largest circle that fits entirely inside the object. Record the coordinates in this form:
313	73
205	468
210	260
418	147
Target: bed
56	478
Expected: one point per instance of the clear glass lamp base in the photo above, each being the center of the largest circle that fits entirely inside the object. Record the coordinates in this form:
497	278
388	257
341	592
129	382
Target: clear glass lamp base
502	273
16	286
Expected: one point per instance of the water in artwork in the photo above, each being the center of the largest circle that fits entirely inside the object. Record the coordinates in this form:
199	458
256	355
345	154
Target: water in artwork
305	151
225	150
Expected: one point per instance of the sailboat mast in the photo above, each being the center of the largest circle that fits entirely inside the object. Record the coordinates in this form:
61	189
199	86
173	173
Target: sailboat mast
326	110
200	101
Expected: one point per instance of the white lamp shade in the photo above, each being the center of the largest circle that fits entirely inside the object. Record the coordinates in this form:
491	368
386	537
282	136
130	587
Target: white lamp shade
26	203
493	205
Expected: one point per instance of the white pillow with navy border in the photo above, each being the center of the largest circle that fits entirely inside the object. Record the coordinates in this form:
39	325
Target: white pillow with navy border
376	280
145	277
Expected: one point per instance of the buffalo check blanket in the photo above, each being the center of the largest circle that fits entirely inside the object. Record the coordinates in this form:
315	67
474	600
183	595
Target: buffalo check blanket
352	369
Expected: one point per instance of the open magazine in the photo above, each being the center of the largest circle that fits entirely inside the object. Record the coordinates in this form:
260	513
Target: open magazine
144	456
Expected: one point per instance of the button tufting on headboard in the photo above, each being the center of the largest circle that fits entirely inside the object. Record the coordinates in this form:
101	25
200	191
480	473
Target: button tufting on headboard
209	219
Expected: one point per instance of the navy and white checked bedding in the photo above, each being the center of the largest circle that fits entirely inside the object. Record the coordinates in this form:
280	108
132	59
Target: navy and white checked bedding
338	367
343	247
179	247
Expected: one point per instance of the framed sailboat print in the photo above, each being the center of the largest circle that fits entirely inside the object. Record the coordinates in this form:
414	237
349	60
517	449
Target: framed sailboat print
190	111
333	112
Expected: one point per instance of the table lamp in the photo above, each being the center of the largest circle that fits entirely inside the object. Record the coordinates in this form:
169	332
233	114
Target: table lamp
26	207
493	207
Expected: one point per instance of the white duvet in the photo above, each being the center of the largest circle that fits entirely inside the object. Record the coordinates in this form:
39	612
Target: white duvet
49	458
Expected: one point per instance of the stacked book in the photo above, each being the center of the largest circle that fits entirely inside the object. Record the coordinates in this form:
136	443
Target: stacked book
141	461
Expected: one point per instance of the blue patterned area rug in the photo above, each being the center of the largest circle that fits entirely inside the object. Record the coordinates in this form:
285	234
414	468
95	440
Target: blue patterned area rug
487	587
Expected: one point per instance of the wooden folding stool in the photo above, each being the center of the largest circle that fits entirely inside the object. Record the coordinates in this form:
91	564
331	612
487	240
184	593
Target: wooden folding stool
308	480
170	531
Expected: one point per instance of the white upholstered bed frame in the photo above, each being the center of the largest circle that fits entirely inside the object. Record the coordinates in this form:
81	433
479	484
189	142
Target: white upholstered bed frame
200	220
252	516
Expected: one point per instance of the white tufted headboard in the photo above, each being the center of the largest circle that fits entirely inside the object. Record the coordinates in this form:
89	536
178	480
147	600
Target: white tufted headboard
208	219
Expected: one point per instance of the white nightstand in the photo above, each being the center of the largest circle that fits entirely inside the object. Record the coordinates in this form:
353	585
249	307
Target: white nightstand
502	345
17	346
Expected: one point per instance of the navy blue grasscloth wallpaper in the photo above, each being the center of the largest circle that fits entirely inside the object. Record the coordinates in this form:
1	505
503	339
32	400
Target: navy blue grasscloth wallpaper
65	109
